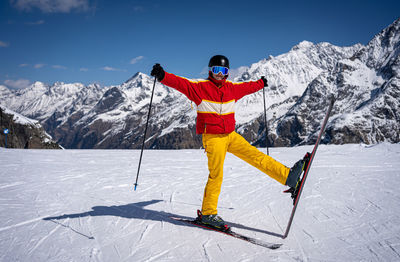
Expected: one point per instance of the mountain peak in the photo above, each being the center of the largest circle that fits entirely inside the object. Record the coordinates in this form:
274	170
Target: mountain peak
4	88
383	49
138	75
303	45
39	85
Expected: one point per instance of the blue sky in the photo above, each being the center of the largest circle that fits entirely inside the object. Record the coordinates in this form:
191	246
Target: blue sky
106	42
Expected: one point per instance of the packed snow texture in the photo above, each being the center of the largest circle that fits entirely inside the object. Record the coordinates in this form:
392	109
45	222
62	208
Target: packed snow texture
70	205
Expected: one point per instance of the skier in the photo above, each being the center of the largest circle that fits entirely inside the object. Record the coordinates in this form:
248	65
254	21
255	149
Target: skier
215	99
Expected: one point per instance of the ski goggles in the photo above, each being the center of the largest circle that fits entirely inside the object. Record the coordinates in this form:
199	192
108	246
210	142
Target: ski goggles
219	69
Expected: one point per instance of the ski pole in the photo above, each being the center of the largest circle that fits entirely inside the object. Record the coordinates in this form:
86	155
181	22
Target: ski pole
145	131
266	123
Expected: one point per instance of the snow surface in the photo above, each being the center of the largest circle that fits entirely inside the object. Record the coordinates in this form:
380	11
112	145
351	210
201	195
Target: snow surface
79	205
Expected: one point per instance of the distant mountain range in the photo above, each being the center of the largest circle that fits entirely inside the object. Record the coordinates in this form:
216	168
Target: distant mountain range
364	79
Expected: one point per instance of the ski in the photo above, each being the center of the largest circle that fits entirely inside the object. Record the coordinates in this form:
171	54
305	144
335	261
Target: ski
296	192
230	233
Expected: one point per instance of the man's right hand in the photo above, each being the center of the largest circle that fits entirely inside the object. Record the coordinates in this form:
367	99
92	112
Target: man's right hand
265	81
158	72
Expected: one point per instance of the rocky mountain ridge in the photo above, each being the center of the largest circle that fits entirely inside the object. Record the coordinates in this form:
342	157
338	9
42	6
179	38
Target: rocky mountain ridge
23	132
364	79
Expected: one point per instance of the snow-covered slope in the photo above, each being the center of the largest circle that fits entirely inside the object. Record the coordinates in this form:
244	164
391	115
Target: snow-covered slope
79	205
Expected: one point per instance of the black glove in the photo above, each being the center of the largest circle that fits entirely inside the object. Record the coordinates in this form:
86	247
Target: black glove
265	81
158	72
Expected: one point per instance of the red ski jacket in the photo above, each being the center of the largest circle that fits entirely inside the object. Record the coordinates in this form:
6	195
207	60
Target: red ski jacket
215	100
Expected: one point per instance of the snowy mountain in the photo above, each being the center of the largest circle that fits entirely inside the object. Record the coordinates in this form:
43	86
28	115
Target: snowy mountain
367	88
364	79
81	116
117	119
23	132
288	75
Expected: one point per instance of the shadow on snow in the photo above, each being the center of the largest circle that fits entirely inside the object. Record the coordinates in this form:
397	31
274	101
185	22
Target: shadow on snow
138	211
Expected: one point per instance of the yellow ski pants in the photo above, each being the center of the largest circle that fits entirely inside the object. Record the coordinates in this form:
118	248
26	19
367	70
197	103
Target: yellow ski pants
216	146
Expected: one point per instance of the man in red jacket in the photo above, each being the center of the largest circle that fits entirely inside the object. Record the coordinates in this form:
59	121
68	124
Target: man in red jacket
215	99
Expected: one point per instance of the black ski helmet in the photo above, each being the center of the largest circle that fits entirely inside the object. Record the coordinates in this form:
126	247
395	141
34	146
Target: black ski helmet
219	60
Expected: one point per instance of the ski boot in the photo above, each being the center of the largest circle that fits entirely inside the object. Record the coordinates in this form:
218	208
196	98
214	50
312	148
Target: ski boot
213	221
294	178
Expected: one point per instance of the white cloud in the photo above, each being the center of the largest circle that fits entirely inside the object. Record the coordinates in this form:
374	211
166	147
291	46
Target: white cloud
109	68
17	84
23	65
83	69
4	44
136	59
39	22
37	66
51	6
59	67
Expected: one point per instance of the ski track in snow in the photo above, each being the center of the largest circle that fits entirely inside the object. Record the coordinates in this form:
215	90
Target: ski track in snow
79	205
